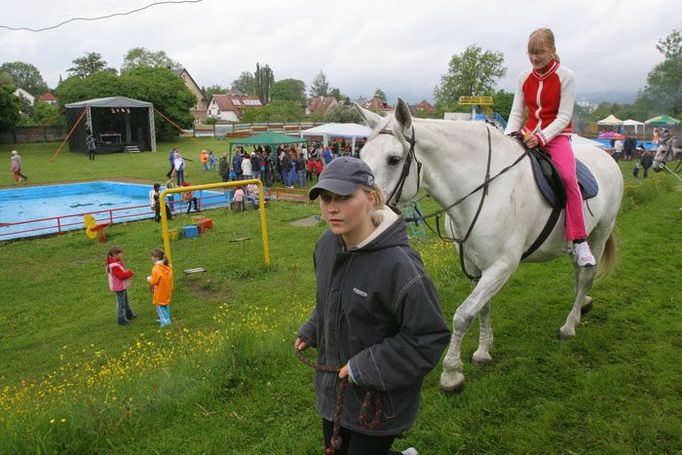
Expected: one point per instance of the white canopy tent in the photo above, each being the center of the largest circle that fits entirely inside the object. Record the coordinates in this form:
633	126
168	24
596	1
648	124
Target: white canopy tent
636	124
611	120
345	130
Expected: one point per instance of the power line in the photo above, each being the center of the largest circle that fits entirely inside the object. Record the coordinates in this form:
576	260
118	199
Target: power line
97	18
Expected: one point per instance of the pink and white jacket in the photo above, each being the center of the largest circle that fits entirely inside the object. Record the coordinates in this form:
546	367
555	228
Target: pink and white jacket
120	278
549	95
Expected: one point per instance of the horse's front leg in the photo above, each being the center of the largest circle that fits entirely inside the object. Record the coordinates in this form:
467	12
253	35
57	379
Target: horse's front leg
485	338
492	280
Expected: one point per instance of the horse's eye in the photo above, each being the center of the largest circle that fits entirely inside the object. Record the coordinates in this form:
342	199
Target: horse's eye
393	160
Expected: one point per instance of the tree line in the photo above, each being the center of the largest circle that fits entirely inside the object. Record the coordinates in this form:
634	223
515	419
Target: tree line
149	75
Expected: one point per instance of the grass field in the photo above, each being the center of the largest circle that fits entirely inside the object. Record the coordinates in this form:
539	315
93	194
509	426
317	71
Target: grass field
222	379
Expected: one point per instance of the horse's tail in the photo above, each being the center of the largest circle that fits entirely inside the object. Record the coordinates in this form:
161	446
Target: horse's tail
609	258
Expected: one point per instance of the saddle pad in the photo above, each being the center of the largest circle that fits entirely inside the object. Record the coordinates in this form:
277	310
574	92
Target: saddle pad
586	181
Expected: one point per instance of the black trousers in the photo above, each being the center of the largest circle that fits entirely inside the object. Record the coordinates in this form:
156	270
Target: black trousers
190	202
157	212
91	155
353	443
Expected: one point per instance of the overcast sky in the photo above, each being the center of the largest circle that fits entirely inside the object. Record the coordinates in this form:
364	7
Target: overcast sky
400	46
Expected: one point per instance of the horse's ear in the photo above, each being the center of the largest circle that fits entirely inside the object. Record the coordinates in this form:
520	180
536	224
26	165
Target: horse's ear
403	115
371	118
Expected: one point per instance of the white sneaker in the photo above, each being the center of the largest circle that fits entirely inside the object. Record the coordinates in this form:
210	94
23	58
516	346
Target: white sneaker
410	451
582	255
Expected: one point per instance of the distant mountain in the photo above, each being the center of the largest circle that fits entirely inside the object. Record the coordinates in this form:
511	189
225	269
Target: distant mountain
619	97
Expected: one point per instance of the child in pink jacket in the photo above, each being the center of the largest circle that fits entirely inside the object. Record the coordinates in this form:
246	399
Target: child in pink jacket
120	279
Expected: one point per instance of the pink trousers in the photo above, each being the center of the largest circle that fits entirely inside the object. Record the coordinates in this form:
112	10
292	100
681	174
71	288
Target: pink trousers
561	152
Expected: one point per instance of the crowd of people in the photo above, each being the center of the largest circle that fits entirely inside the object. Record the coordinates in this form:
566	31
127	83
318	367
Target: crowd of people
289	165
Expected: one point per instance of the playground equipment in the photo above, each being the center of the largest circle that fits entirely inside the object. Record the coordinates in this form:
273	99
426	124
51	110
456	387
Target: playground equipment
483	104
189	232
183	189
94	230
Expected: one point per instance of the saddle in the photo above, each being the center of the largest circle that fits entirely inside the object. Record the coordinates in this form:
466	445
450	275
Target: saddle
552	189
549	181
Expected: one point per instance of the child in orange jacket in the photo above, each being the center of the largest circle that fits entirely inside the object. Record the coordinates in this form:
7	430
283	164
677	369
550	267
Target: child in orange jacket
161	285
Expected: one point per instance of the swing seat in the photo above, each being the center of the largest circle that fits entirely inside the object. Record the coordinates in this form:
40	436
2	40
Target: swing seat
93	230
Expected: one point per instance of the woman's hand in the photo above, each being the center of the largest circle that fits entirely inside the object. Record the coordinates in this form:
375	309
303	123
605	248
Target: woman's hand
300	345
343	372
531	141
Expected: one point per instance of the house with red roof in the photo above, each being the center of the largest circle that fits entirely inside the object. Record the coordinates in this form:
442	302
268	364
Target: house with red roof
320	105
230	107
425	106
376	104
48	98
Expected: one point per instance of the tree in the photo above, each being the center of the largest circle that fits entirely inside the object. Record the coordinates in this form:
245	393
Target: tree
214	89
289	90
343	113
26	76
25	106
264	79
378	93
140	56
336	93
277	111
502	103
98	85
90	64
663	92
47	114
157	85
169	94
320	85
246	84
472	73
9	108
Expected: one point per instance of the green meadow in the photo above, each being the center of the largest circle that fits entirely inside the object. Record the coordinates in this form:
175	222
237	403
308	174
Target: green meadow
222	378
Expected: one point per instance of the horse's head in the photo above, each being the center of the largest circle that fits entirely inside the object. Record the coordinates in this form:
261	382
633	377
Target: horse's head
663	154
389	152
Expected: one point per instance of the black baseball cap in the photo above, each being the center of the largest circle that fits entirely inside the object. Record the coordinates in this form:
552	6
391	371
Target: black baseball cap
343	176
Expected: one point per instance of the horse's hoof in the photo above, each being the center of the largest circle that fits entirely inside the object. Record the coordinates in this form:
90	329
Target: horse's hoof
565	335
481	360
587	306
452	382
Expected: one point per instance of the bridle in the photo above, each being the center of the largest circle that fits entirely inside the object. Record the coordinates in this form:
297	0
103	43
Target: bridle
398	189
397	192
668	154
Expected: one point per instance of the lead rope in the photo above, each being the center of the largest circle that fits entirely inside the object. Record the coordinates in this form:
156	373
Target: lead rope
372	399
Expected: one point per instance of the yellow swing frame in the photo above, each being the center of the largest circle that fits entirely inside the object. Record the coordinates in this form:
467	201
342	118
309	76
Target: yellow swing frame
208	186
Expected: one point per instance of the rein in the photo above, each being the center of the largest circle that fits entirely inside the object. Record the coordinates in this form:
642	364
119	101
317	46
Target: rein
372	399
484	186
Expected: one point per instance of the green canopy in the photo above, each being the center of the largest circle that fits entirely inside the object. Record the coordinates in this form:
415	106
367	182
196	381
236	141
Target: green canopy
265	138
662	120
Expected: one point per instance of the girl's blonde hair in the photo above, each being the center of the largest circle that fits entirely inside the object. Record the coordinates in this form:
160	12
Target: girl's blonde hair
539	39
379	201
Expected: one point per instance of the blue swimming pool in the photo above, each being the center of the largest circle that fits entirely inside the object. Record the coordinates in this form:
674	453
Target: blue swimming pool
51	209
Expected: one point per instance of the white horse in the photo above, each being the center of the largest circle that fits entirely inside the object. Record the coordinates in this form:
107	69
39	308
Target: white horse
449	161
669	150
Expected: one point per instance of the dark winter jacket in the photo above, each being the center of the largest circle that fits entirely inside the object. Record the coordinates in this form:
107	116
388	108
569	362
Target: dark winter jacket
376	308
